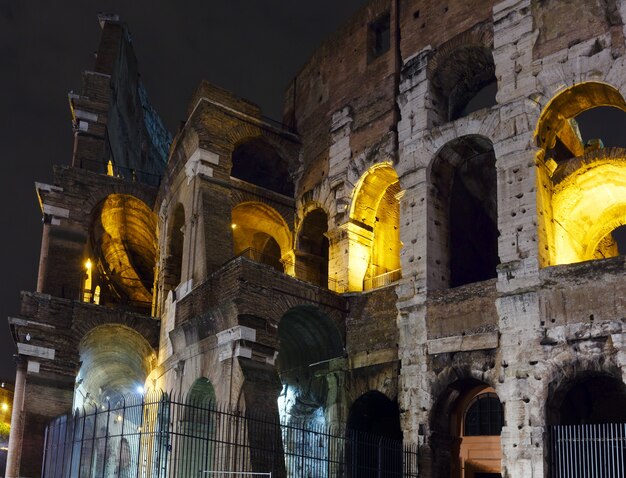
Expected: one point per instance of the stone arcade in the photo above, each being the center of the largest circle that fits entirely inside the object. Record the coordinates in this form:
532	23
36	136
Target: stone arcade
423	249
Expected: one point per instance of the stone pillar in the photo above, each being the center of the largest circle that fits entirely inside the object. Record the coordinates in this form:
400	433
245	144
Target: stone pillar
17	423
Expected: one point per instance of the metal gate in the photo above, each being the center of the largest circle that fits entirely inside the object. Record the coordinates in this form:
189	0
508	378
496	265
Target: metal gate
588	451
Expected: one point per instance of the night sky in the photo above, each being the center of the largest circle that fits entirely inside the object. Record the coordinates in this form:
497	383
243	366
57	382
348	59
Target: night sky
253	48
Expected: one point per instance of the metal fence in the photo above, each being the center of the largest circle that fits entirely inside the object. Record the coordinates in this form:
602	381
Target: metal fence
161	437
588	451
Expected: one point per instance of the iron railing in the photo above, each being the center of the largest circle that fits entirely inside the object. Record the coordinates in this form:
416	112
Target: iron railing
382	280
588	451
159	437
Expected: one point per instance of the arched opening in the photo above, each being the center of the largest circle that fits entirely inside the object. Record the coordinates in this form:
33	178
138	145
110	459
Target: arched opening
195	453
587	419
581	194
256	162
312	253
115	362
479	421
123	241
463	214
173	267
374	447
590	399
309	342
260	233
375	227
464	81
466	424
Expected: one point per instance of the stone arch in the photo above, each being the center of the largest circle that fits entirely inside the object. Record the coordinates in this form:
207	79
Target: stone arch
308	339
260	230
256	161
462	213
462	73
373	419
555	121
581	195
195	449
115	362
375	228
312	392
447	433
123	247
312	247
565	375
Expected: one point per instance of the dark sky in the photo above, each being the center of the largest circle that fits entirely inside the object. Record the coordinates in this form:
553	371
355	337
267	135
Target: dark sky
252	47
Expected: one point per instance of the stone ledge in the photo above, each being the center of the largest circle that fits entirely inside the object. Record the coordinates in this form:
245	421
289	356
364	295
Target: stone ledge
463	343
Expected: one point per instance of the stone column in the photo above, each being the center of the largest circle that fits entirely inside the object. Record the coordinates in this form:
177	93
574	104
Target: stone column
17	431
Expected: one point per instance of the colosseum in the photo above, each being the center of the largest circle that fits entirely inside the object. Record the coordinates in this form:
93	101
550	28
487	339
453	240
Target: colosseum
416	273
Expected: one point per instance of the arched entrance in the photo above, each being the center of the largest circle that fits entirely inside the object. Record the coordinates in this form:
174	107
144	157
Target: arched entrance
478	421
115	362
587	427
466	423
195	454
374	437
309	345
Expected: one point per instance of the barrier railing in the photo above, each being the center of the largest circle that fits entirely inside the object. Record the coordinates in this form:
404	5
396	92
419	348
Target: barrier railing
588	451
382	280
158	436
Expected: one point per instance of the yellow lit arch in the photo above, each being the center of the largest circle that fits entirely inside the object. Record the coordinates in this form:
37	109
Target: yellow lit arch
124	232
375	228
581	195
255	225
587	206
554	121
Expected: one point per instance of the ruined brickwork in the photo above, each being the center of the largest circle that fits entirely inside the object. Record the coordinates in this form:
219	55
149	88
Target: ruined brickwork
427	229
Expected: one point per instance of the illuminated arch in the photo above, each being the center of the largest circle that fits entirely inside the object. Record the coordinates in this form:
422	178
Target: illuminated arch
124	239
260	228
555	119
375	227
115	362
581	191
587	206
